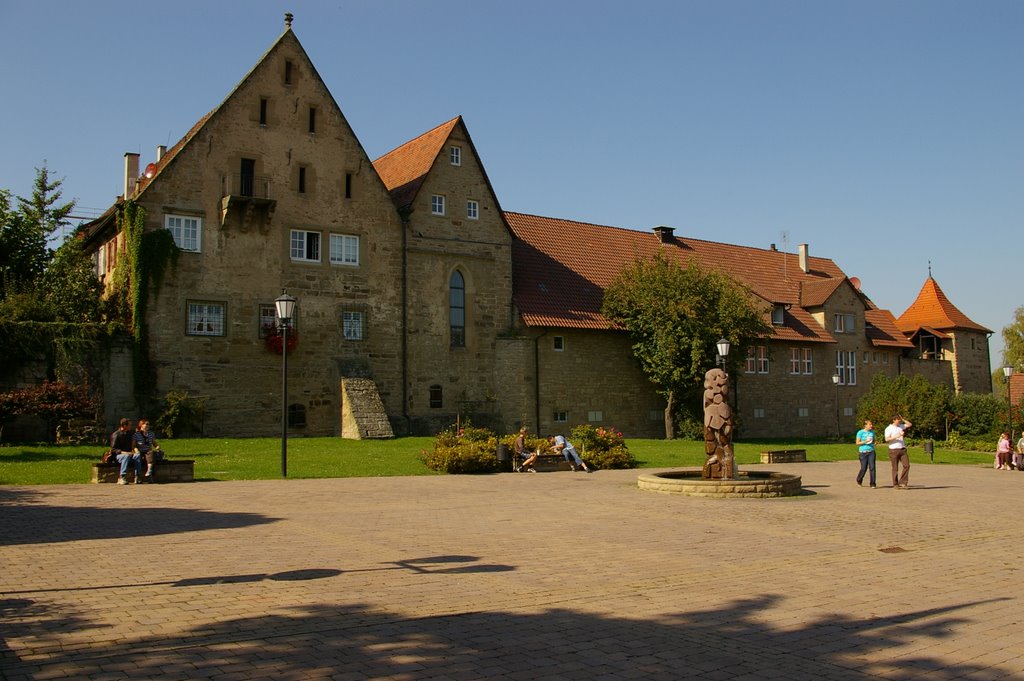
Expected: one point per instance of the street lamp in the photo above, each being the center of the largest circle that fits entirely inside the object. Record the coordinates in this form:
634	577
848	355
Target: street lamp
285	305
723	346
835	382
1007	375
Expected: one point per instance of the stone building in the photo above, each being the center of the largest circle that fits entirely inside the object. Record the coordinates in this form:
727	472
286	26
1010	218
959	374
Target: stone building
420	301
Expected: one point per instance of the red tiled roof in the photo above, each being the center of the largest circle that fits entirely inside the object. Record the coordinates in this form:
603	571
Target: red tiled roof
404	168
816	292
882	330
560	269
933	309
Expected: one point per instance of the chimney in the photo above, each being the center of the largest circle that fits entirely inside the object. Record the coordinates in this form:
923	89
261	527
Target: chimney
131	174
772	248
804	265
160	151
665	234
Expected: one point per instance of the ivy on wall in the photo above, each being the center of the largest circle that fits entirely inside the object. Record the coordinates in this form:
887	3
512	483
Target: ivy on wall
140	268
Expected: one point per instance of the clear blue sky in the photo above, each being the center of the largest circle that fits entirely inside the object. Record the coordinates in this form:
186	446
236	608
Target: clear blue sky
885	134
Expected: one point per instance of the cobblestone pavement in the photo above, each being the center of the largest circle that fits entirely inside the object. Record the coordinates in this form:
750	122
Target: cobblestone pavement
549	576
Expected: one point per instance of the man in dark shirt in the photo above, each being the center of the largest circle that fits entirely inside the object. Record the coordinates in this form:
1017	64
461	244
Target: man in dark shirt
121	445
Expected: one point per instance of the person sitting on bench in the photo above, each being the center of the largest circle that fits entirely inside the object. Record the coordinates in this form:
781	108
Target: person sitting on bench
121	446
522	453
146	445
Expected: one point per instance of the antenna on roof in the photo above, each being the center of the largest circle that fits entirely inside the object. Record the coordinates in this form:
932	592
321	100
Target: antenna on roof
929	269
785	251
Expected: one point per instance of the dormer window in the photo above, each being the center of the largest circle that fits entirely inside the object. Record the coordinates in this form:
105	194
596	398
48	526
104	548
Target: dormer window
778	314
455	154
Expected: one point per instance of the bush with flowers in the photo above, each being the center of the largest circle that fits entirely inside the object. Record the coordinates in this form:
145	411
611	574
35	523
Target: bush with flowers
273	340
602	447
463	449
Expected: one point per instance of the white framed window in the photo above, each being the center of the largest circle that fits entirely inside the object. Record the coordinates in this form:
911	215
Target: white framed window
751	365
344	249
867	356
595	416
437	204
795	360
472	210
455	154
187	231
846	367
560	417
305	246
268	319
558	343
803	412
885	358
778	315
205	319
808	362
844	323
847	411
762	359
758	412
352	325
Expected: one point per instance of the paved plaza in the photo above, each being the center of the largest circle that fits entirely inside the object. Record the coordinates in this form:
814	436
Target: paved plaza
548	576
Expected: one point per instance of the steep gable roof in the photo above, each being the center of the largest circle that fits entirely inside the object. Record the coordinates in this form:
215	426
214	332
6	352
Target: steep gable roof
404	168
933	309
560	269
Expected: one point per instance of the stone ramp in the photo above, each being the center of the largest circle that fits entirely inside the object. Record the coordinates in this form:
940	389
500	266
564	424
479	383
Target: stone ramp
362	411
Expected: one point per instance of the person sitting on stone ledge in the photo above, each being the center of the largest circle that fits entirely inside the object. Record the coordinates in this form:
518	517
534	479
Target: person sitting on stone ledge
146	445
122	445
527	457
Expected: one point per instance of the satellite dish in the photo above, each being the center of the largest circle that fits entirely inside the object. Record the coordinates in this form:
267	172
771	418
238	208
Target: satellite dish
150	170
856	282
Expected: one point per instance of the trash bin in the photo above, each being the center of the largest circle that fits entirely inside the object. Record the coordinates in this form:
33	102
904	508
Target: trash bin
504	458
929	449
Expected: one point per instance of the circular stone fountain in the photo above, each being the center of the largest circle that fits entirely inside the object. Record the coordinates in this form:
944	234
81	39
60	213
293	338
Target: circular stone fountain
756	484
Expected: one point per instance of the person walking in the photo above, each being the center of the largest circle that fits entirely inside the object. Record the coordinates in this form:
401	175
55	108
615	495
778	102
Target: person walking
866	452
1003	450
894	434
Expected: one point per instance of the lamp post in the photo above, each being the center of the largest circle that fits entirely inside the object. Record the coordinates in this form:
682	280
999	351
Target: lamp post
723	346
835	382
1007	375
285	305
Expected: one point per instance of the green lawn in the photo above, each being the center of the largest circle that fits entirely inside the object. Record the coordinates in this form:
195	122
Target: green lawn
260	459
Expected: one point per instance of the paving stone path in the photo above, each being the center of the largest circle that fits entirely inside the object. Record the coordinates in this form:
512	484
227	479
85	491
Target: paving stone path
548	576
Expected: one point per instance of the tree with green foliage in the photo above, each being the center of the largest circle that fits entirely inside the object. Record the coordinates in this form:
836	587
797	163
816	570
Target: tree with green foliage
675	315
1013	342
924	404
70	287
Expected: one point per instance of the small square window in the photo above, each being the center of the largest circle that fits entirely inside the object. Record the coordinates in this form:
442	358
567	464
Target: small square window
472	210
205	319
758	413
560	417
655	415
802	412
186	231
344	249
305	246
558	343
595	416
456	156
352	325
847	411
268	319
437	204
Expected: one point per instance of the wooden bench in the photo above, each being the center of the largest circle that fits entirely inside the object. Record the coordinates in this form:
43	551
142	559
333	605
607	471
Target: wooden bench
784	456
168	470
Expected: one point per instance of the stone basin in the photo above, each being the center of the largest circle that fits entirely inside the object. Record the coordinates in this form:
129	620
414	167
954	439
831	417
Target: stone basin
747	484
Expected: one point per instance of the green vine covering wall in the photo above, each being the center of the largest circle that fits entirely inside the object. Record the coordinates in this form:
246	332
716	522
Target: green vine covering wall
142	265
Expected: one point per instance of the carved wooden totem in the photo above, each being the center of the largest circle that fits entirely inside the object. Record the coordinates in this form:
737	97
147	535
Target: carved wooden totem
720	463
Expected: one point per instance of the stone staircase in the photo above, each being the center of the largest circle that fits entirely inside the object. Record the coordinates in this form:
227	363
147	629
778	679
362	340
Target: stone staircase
362	411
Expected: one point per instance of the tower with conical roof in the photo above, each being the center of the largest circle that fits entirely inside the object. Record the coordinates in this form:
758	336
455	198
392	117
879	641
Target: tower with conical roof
941	332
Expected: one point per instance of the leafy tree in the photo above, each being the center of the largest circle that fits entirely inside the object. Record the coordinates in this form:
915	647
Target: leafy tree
53	401
674	316
925	404
977	415
69	285
1013	341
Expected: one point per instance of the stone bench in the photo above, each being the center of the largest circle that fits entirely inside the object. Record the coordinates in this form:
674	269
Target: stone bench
167	470
551	462
784	456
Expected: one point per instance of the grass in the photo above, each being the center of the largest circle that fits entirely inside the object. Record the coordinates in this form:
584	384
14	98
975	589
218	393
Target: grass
329	457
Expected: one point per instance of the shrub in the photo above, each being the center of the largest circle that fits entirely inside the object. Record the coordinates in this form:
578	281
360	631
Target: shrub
182	414
463	450
602	447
